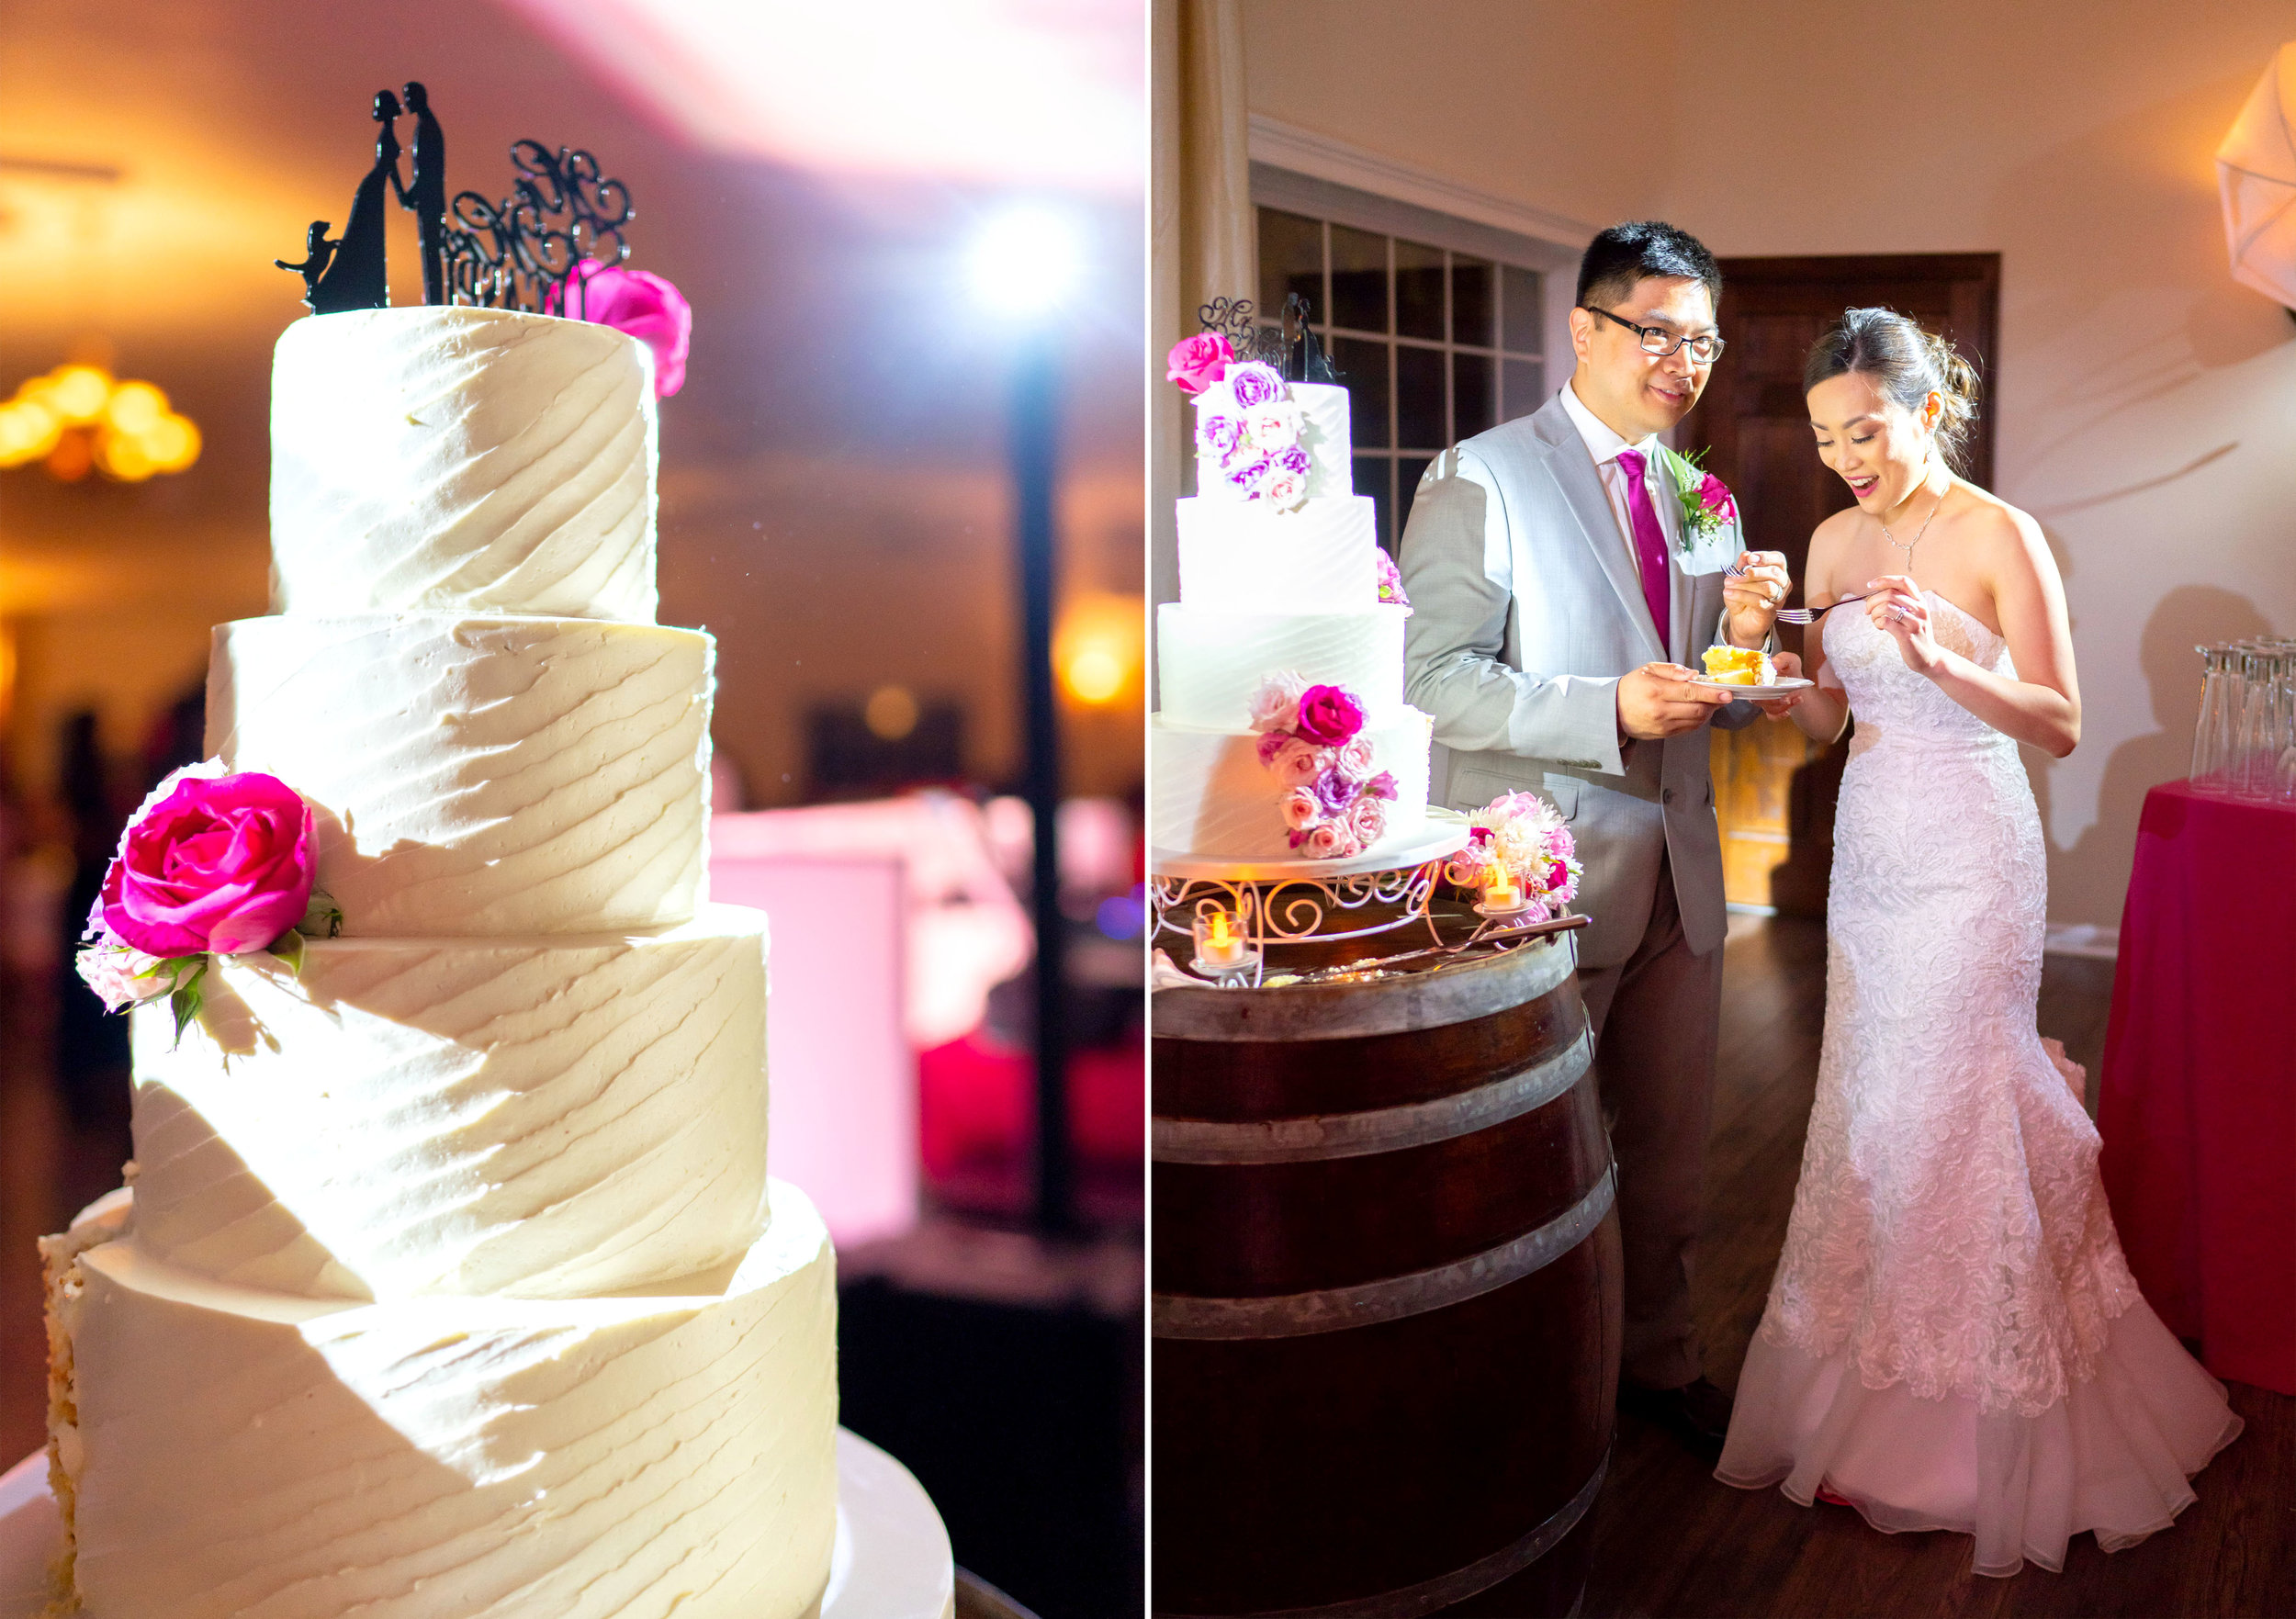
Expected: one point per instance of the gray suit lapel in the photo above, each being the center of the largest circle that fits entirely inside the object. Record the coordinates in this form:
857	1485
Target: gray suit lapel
1573	472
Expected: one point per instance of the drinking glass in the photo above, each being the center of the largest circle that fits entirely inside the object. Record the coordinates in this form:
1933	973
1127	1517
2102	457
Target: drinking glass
2214	735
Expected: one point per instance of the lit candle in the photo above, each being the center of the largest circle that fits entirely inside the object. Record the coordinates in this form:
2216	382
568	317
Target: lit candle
1222	946
1500	894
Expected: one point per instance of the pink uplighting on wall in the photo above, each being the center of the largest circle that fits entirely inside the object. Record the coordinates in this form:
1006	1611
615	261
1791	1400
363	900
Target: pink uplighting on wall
896	87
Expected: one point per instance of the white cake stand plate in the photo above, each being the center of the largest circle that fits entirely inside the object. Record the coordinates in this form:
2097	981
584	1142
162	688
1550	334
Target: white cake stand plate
892	1559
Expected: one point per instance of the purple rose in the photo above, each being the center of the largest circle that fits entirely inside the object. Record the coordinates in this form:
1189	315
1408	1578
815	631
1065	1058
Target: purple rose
1333	790
1196	363
1254	385
647	306
1381	786
1218	434
1295	461
1243	478
1328	716
222	863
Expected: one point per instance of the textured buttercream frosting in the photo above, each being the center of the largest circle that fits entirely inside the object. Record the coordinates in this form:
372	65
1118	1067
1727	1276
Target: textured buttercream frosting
1209	664
1320	559
1208	794
539	1117
480	775
462	459
242	1452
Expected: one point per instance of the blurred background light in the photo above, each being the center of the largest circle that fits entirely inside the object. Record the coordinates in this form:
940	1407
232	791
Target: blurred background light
76	418
1100	649
1045	92
1026	261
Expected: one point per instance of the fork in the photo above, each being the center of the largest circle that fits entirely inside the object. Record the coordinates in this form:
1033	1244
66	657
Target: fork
1804	615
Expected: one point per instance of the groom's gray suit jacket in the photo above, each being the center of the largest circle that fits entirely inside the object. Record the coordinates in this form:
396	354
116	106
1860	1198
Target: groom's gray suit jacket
1526	610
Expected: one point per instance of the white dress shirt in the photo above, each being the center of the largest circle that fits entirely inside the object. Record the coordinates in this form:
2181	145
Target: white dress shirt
1604	445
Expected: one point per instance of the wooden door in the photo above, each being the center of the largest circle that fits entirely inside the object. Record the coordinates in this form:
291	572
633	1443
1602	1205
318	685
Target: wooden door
1774	789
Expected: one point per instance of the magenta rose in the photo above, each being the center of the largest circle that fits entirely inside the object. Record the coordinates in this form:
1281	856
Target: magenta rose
1328	716
1196	363
222	863
644	305
1714	496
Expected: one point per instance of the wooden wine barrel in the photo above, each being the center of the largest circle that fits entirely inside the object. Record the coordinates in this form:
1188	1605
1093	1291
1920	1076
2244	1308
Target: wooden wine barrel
1387	1297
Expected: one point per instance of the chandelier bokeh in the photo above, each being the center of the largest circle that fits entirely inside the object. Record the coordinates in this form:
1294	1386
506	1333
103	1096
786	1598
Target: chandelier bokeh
79	419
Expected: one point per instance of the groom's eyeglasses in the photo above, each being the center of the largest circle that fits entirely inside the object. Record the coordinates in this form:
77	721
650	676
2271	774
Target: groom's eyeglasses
1706	348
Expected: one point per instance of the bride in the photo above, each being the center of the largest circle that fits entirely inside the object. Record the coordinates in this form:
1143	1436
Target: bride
1952	1340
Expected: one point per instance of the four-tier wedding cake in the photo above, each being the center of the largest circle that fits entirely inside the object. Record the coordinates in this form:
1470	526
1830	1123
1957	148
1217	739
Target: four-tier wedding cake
1282	731
450	1280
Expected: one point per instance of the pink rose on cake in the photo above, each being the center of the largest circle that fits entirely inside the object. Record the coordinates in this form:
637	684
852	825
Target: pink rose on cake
1275	705
1300	810
1367	819
213	862
122	977
1355	760
1283	491
1321	843
1391	579
1196	363
1329	716
1273	427
638	302
1294	762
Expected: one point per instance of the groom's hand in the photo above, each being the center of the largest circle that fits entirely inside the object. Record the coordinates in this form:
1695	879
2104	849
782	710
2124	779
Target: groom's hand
1657	700
1754	596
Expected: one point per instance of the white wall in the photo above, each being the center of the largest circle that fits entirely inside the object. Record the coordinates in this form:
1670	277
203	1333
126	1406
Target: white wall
2146	413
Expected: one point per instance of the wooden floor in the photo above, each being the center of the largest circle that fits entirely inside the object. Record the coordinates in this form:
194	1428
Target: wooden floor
1670	1541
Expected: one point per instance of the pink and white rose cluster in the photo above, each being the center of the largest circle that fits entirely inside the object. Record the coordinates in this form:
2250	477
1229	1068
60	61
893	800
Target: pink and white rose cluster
1249	427
1523	833
1391	579
213	865
1333	803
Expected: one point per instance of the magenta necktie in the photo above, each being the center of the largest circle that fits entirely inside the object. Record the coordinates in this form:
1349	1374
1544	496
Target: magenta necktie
1649	548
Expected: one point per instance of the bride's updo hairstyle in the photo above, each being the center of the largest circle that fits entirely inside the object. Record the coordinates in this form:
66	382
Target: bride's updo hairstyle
1907	363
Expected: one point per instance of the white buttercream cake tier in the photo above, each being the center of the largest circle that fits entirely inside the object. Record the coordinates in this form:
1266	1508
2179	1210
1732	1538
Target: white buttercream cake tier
544	1117
1210	663
481	774
1324	433
1239	558
462	460
241	1452
1209	796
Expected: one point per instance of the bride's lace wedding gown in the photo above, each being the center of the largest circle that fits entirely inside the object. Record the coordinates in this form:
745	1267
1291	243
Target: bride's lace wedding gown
1953	1340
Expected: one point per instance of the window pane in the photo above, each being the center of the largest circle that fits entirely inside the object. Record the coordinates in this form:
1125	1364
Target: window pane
1470	302
1519	290
1419	413
1418	291
1372	474
1407	471
1358	280
1291	260
1362	367
1472	408
1526	388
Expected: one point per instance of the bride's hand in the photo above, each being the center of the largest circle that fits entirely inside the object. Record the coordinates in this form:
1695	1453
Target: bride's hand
1896	606
1790	667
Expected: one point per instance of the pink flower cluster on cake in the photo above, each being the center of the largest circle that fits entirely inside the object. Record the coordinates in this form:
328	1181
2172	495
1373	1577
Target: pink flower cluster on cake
1248	427
213	863
640	303
1523	833
1391	579
1334	803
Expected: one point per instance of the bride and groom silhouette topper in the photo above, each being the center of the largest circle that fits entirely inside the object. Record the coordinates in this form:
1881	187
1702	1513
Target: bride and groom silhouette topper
506	255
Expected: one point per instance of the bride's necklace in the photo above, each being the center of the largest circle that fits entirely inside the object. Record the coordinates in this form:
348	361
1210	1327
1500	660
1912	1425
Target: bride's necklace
1908	545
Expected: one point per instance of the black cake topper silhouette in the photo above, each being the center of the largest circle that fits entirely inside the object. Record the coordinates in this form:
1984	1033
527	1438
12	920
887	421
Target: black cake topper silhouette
426	197
1290	347
533	250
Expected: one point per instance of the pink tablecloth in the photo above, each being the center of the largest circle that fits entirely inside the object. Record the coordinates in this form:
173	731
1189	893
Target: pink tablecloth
2197	1103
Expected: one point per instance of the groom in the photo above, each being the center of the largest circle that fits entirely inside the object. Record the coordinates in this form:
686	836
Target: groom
1558	593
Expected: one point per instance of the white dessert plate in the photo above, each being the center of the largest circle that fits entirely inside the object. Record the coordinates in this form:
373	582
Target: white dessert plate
1782	683
892	1559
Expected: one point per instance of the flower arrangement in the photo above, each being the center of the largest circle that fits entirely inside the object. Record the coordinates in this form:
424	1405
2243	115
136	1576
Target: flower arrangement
1707	506
213	865
1391	579
1523	833
1334	803
640	303
1248	427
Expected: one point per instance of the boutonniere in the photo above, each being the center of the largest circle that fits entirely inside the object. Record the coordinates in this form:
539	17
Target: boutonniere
1707	506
